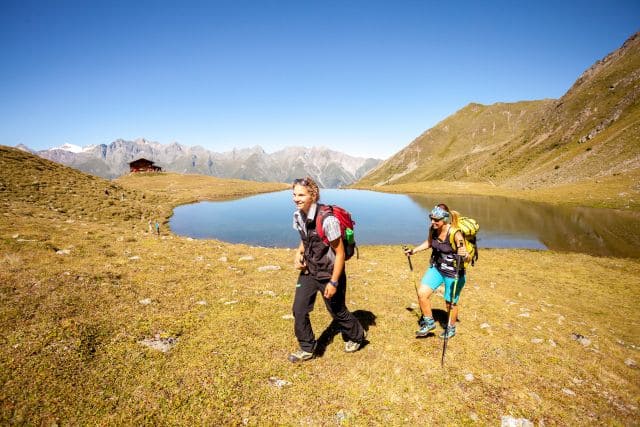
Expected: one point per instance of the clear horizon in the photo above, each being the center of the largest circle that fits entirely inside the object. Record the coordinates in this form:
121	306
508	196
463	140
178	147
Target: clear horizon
363	78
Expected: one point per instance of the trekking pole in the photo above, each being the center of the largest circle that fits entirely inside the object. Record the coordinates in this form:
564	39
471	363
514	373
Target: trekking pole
453	295
405	248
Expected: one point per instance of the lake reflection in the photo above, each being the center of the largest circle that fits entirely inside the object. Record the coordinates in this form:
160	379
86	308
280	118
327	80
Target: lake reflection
382	218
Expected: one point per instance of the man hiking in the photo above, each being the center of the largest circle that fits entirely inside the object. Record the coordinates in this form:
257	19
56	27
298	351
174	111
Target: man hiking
445	256
321	270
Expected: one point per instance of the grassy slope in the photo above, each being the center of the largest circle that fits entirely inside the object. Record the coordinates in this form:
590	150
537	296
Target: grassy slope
71	324
584	146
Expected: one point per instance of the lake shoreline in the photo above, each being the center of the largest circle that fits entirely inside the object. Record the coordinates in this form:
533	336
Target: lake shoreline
612	193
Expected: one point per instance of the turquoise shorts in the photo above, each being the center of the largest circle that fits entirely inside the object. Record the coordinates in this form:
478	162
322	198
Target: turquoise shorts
433	279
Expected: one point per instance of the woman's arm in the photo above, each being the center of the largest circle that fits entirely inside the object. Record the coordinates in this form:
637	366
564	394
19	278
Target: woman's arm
298	258
421	247
460	248
338	267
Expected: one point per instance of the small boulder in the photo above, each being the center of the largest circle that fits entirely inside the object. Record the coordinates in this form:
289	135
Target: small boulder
581	339
158	343
268	293
342	416
509	421
277	382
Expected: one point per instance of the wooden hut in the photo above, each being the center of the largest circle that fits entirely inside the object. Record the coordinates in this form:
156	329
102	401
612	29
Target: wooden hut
143	165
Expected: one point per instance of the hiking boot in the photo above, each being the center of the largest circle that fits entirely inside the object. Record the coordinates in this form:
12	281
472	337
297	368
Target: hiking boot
449	332
300	356
427	324
351	346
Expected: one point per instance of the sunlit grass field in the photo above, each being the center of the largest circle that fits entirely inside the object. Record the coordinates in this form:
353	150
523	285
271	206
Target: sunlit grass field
105	323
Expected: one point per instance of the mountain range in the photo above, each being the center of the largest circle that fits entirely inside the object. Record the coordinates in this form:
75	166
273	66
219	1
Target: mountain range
591	133
331	169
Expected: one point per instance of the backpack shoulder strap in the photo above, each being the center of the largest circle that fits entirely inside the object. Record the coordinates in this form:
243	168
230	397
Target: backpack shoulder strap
321	213
452	236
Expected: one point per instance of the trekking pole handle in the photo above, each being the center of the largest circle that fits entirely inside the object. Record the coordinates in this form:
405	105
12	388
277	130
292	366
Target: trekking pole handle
405	248
459	264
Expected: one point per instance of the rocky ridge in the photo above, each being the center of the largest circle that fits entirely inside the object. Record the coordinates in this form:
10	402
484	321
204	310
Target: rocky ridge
330	168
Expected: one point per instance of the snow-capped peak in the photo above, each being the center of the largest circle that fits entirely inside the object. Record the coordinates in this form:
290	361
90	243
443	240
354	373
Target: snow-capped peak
69	147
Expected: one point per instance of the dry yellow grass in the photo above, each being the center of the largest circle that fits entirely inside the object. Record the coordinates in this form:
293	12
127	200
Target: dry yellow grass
72	325
181	189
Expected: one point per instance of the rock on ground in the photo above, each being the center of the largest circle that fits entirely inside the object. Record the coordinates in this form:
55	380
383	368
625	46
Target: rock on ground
509	421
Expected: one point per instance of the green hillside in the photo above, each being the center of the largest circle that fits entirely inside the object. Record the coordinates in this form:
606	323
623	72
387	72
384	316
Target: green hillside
590	134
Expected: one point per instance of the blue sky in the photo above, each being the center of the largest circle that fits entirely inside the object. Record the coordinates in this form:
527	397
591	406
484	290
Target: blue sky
362	77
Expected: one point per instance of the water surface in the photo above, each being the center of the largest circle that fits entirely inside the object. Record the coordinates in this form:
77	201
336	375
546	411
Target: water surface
382	218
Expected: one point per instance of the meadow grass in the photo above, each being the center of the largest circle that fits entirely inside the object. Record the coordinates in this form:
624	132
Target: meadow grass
551	337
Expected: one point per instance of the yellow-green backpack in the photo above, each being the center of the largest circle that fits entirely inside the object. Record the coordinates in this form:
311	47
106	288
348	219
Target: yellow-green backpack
469	228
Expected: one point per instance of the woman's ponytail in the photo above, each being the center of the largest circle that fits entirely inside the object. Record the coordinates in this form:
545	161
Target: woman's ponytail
455	216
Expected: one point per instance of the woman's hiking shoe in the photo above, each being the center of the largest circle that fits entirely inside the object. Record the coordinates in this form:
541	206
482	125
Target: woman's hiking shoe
351	346
449	332
300	356
427	324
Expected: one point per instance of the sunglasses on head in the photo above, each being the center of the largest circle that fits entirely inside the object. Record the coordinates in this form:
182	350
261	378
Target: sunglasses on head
301	181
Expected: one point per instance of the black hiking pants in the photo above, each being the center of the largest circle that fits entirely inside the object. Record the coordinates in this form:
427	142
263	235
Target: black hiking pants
307	289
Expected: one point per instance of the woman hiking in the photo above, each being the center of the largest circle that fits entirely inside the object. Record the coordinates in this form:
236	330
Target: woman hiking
446	253
321	270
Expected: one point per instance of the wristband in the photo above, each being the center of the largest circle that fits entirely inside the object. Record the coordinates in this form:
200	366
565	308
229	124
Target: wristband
334	284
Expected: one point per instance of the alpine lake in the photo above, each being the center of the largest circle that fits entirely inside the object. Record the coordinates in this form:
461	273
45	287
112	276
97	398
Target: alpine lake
397	219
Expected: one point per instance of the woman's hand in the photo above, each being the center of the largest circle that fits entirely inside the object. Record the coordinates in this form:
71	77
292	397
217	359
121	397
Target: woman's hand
330	289
298	261
462	253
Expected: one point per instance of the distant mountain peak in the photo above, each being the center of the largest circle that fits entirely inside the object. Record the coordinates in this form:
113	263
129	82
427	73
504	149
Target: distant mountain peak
69	147
24	148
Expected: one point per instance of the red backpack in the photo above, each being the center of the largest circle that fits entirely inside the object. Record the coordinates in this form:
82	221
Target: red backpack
346	227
